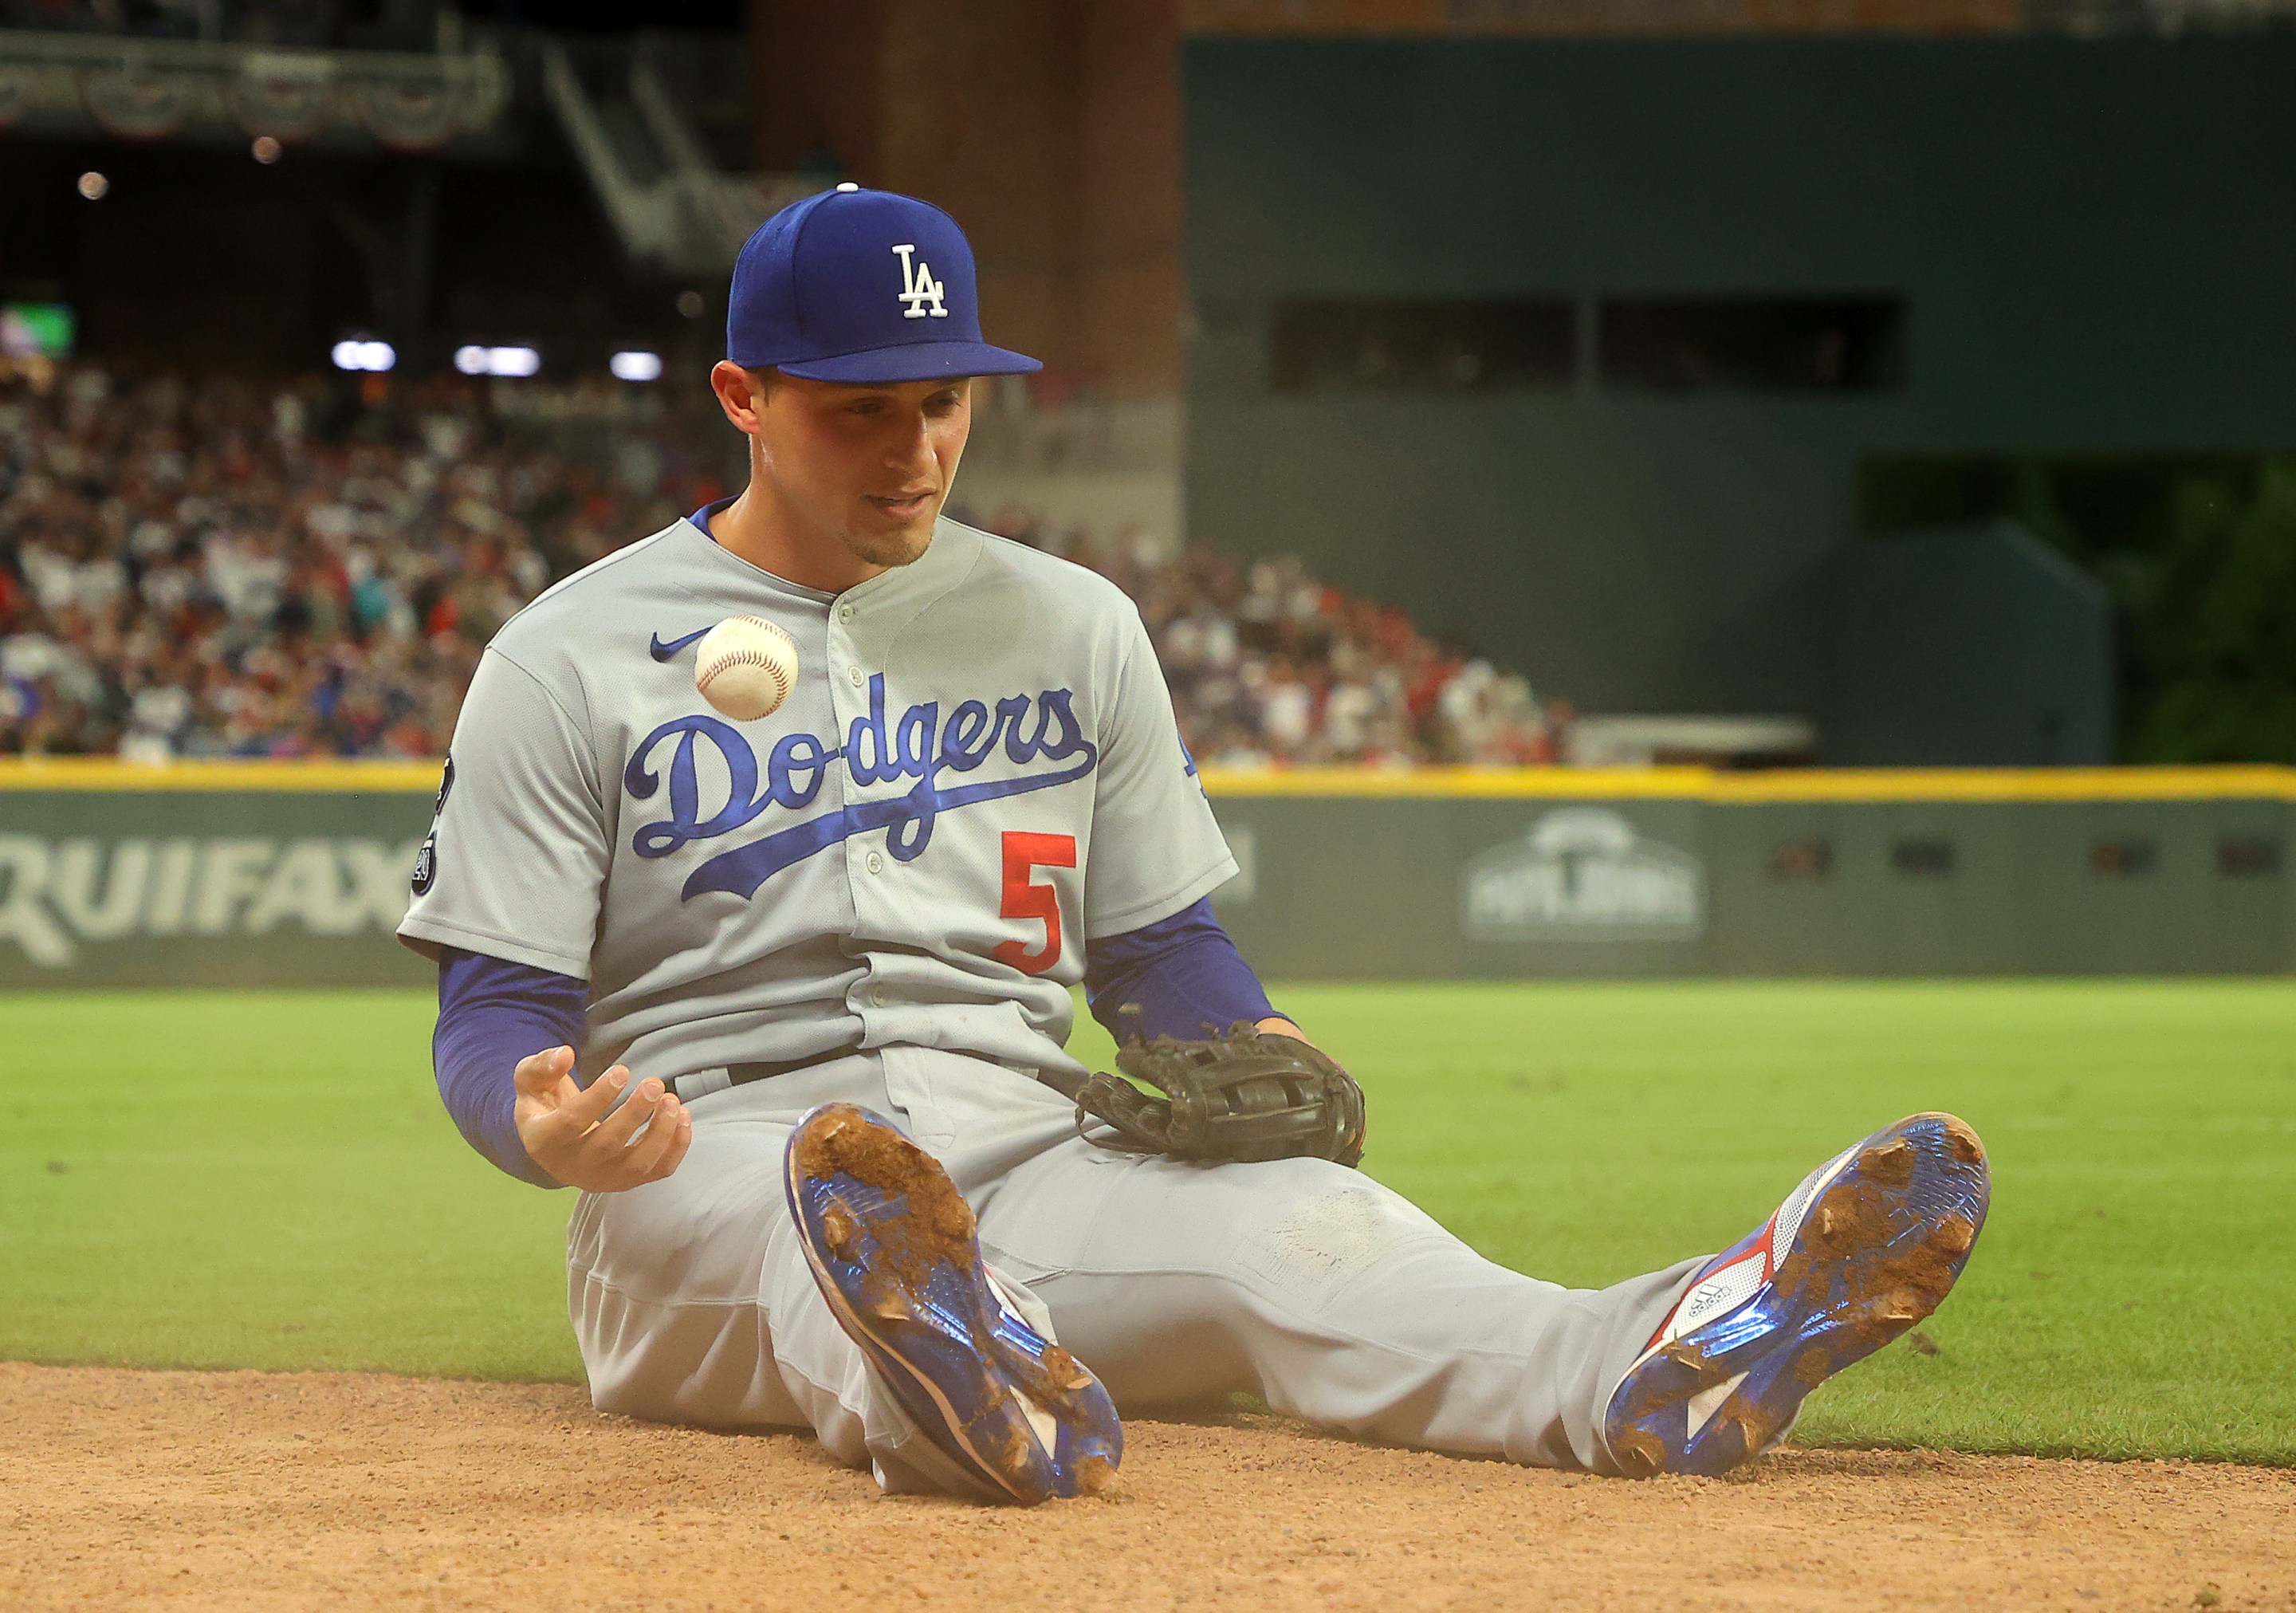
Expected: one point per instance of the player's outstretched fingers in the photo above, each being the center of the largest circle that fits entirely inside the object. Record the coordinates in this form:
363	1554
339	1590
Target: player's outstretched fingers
657	1153
626	1150
620	1129
550	1102
585	1113
553	1113
540	1074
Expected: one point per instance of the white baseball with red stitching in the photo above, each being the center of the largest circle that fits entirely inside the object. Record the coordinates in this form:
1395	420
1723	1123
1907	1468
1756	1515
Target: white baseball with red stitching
745	666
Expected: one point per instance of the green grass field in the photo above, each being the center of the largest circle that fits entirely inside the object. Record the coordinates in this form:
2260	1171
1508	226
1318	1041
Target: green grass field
267	1181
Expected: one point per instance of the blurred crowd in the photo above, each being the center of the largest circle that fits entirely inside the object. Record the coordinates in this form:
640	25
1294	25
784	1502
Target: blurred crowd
216	569
1270	668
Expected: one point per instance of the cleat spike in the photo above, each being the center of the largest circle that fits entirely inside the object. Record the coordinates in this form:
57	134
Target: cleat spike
840	1232
1891	1165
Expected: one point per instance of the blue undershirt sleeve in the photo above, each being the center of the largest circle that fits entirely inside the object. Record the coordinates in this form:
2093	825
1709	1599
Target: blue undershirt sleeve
493	1013
1181	976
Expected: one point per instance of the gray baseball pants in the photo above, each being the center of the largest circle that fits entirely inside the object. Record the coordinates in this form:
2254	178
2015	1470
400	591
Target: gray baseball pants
1334	1298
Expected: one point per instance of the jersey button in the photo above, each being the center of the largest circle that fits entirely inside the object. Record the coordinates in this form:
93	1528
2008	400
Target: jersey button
857	675
874	863
844	612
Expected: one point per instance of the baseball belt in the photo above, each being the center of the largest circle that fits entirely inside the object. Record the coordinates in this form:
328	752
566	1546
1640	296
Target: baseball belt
704	1083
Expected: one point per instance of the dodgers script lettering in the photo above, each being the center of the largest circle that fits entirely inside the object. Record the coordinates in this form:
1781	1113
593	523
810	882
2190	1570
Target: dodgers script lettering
1025	730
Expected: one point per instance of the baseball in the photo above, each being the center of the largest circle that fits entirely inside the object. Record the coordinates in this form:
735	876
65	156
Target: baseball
745	666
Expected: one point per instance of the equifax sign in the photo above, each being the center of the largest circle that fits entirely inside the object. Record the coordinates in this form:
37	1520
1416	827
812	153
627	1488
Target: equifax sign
58	895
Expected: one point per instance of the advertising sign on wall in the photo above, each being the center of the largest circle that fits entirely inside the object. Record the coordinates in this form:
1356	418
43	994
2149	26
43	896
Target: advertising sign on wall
276	877
60	898
209	887
1583	873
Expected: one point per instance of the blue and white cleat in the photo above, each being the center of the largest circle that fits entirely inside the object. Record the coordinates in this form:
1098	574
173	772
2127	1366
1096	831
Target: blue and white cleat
1865	1247
894	1248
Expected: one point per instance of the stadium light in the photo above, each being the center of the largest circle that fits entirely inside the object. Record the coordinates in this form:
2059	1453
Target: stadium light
94	186
266	149
356	353
635	365
473	360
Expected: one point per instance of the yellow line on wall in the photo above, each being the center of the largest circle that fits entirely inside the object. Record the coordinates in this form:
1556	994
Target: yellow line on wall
1461	783
67	775
2008	784
1784	784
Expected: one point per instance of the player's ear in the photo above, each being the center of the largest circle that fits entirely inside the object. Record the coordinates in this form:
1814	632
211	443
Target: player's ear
742	393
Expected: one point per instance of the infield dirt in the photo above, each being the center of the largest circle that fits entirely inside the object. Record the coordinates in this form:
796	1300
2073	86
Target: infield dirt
262	1491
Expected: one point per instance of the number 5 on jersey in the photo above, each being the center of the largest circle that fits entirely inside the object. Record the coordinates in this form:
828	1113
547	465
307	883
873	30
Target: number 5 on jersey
1024	853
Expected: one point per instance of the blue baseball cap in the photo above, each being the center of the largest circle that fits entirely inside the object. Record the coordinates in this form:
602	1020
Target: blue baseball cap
861	286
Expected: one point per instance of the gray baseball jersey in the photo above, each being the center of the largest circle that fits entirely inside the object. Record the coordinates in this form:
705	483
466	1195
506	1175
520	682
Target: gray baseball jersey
977	771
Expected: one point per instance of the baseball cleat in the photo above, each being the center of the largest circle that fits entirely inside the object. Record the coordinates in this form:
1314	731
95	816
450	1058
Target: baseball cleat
893	1247
1864	1249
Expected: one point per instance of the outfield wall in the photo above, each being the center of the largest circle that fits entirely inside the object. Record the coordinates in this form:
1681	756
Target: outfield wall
295	874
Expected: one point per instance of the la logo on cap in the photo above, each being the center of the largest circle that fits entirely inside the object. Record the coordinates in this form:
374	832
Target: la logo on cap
920	292
811	297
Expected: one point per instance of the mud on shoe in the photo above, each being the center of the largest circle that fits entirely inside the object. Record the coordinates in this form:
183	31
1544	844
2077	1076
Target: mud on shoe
1867	1246
894	1248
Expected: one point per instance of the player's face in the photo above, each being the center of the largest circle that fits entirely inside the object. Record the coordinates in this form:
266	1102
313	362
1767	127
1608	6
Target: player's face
869	467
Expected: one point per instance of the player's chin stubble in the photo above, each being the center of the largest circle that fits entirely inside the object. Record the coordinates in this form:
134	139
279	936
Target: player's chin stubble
898	547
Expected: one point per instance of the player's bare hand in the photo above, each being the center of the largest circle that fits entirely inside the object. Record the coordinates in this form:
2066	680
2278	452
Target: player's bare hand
568	1133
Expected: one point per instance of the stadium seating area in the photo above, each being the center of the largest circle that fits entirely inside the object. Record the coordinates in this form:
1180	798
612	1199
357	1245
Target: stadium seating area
213	570
1269	667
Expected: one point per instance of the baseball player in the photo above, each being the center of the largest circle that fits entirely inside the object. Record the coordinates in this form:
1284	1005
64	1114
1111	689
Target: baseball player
782	983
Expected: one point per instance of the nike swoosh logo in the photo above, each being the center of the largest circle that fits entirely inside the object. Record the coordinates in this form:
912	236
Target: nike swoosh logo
663	652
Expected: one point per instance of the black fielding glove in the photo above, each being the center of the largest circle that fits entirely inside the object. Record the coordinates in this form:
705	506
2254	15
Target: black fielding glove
1244	1095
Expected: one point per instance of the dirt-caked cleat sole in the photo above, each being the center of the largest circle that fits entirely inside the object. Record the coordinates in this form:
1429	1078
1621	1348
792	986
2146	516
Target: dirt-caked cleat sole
894	1248
1866	1247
